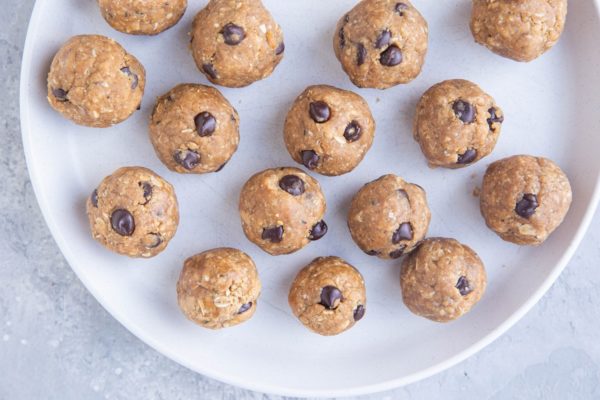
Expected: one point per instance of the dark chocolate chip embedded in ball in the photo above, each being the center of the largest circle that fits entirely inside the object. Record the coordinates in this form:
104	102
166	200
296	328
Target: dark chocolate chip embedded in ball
188	159
280	49
404	232
209	70
342	37
153	240
352	132
318	231
464	111
310	159
400	8
94	198
372	252
134	77
319	111
398	252
122	222
383	39
292	184
527	205
273	235
245	307
391	57
359	312
330	297
494	119
233	34
463	286
206	124
60	94
147	189
467	157
361	54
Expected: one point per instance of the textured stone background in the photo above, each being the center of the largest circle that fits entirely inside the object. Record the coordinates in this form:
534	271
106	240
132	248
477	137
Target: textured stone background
56	342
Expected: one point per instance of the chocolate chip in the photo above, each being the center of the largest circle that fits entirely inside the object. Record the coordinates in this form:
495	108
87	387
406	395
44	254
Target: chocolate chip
398	252
153	240
383	39
359	312
330	297
244	308
134	77
361	54
400	7
233	34
274	235
60	94
318	231
94	198
464	111
205	124
310	159
188	159
221	167
292	184
404	232
467	157
122	222
372	253
280	49
319	112
347	18
463	286
392	56
209	70
527	205
493	119
342	37
147	188
353	132
139	107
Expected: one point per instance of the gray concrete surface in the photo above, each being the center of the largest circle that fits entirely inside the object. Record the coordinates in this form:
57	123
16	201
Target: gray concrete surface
56	342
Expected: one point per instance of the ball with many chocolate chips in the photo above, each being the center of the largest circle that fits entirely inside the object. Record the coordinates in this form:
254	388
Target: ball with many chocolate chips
457	124
521	30
524	199
236	42
381	43
142	17
389	217
218	288
329	130
133	212
194	129
94	82
282	210
328	296
442	279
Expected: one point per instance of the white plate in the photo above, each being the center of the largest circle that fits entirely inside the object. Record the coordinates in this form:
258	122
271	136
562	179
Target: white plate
551	108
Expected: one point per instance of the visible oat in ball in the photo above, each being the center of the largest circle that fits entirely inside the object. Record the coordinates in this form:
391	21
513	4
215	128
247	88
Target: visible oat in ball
142	17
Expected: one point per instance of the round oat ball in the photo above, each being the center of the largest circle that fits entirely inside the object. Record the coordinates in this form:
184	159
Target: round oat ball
142	17
236	42
442	279
94	82
329	130
457	124
389	217
282	210
218	288
133	212
328	296
381	43
194	129
521	30
524	199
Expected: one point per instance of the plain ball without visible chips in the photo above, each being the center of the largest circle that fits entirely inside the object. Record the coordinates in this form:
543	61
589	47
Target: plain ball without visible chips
142	17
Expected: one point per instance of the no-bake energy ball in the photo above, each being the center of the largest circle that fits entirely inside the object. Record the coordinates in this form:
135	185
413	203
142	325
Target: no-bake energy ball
236	42
524	199
282	210
94	82
218	288
381	43
389	217
442	279
519	29
194	129
133	212
328	296
329	130
457	124
142	17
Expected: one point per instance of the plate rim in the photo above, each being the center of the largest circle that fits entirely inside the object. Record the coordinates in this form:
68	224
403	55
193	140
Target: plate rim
238	380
